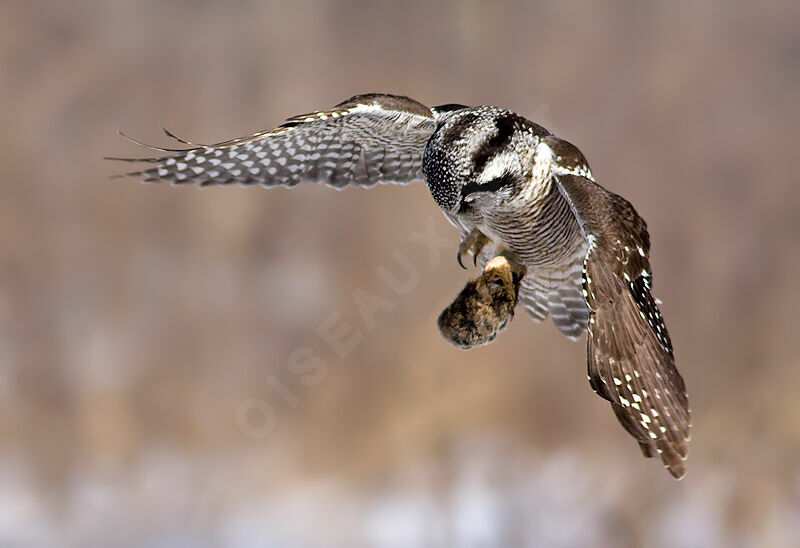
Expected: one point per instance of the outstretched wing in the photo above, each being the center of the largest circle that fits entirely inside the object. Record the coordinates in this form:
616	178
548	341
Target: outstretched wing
366	140
630	358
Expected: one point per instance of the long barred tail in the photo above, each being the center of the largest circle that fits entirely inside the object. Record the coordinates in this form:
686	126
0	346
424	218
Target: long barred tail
559	295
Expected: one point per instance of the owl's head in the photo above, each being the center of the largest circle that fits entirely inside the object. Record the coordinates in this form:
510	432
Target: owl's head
477	156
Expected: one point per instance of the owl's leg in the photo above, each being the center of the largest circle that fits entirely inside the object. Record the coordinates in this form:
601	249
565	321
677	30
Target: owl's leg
474	242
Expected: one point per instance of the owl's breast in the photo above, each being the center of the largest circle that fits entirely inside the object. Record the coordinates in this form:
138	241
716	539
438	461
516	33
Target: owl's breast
539	227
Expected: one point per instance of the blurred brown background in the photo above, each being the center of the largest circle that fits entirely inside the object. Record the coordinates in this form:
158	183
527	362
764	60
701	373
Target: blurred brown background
146	396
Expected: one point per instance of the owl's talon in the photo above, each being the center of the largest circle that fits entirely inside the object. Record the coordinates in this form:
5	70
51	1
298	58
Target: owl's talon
473	243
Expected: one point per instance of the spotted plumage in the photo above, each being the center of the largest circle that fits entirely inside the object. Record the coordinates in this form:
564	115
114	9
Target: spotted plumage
514	190
364	141
631	362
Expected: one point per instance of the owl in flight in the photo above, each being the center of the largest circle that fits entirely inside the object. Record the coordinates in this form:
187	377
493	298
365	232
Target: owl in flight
514	190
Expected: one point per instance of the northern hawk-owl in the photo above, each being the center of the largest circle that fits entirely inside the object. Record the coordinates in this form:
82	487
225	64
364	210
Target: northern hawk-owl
514	190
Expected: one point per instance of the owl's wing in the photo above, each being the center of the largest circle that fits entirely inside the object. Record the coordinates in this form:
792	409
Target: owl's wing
366	140
630	357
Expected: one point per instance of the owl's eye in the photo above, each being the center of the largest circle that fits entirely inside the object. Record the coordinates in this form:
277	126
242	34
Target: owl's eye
471	190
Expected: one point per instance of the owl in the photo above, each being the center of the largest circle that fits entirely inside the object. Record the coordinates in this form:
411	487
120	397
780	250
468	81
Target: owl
579	252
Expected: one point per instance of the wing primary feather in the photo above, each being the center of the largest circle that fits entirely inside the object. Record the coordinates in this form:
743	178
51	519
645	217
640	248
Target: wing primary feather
171	135
145	145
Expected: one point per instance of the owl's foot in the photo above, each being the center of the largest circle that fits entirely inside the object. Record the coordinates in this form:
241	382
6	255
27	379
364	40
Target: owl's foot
507	261
474	242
